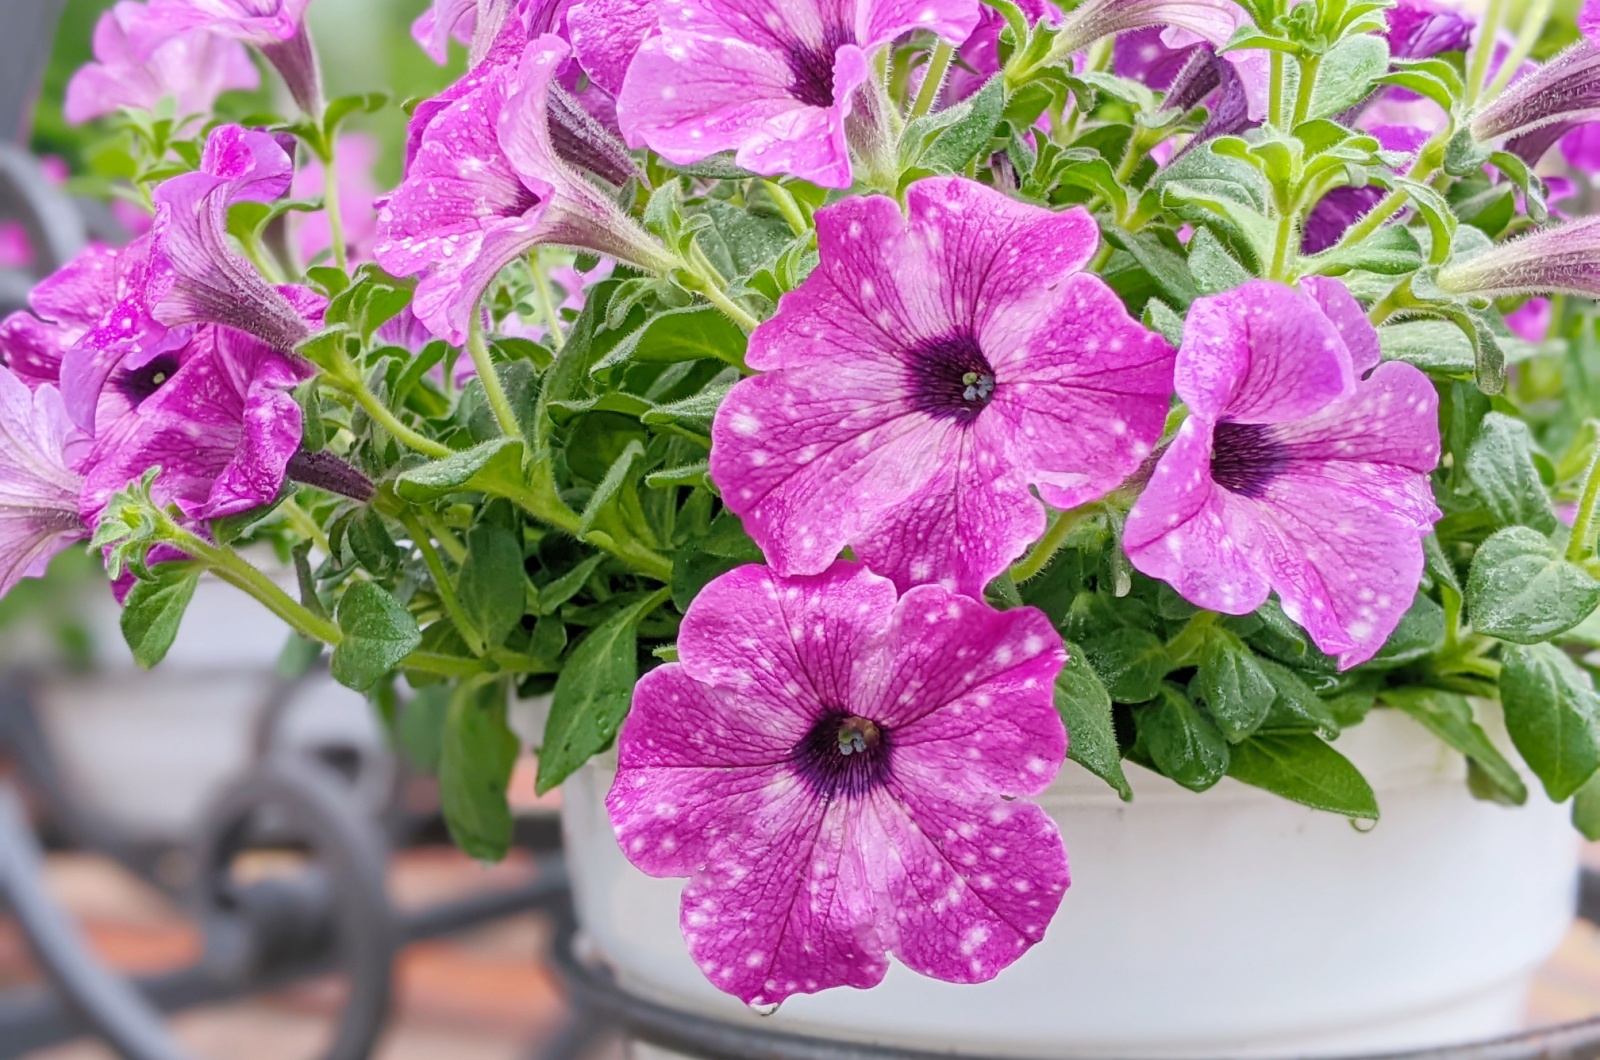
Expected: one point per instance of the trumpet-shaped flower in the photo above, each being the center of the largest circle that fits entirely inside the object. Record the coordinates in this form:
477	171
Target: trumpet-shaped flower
773	80
1560	259
222	429
140	61
39	485
1302	468
275	28
833	770
486	185
196	277
927	373
1555	97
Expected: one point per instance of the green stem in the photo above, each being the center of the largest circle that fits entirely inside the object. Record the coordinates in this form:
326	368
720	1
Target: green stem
380	414
1397	299
1275	91
429	662
543	503
262	260
441	582
1483	51
547	305
932	80
1039	557
1428	161
441	533
1183	648
1533	22
1581	545
1283	249
304	525
711	286
331	206
237	571
491	379
1308	80
787	206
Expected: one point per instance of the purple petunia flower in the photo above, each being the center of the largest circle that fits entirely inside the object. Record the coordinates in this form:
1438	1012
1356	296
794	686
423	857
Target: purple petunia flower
66	306
833	770
925	374
1302	468
195	275
486	185
1419	29
222	429
275	28
139	61
607	34
39	483
773	80
475	23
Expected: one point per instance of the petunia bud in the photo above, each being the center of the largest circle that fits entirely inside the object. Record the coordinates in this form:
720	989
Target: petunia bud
1562	259
1565	90
1211	20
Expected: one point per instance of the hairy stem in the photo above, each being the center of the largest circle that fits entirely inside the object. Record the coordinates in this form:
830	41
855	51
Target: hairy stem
932	79
1580	547
492	389
547	305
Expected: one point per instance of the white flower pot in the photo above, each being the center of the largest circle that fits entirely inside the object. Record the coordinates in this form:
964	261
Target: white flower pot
1228	924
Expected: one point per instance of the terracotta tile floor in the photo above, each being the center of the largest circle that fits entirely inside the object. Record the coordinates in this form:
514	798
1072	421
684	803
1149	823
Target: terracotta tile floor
479	996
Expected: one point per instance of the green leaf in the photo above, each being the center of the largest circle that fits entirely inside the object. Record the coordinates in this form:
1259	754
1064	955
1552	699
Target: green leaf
610	487
1390	251
593	692
1522	589
482	469
154	608
947	140
1297	708
1237	692
1551	714
371	544
1181	742
1166	266
1419	634
1306	770
1213	268
687	334
1085	709
1131	662
492	586
1346	74
693	415
476	756
378	633
1500	464
421	728
1448	716
1586	809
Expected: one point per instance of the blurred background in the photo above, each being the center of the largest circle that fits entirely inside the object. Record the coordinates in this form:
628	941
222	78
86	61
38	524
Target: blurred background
258	849
250	843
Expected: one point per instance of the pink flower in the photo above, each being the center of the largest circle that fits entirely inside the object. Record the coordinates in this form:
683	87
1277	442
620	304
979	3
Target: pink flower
139	61
833	770
16	249
607	34
38	482
486	185
1302	468
1530	321
222	429
468	21
66	306
773	80
275	28
357	154
924	376
195	275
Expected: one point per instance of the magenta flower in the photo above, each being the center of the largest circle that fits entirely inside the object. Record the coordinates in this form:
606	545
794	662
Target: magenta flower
833	770
222	429
139	61
607	34
773	80
1302	468
275	28
925	374
472	22
1422	28
39	448
66	306
486	185
1530	322
195	275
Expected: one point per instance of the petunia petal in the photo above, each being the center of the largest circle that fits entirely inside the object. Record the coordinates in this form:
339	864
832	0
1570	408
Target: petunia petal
881	21
1193	534
1261	353
1340	306
792	643
607	34
973	883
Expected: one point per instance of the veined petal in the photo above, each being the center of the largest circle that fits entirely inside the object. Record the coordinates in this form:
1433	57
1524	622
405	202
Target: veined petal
1262	353
38	488
973	882
606	35
1349	319
809	142
792	642
882	21
1193	534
